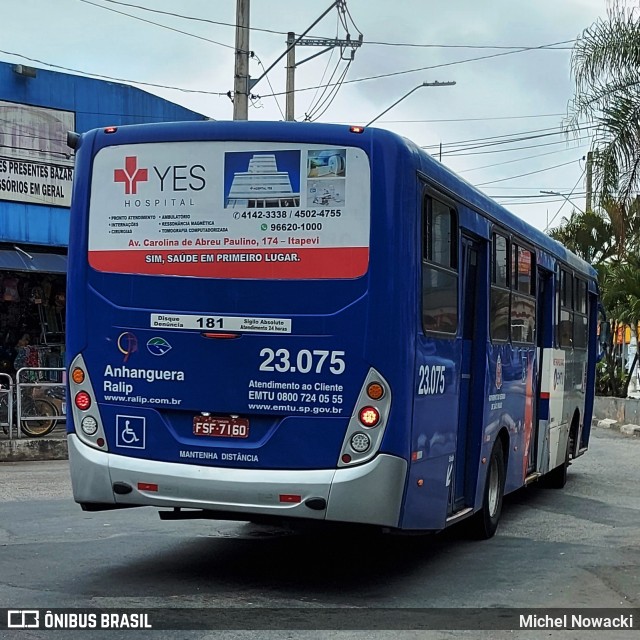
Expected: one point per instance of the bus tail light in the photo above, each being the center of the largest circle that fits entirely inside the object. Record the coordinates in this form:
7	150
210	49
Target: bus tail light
375	391
83	400
360	442
368	421
87	426
369	417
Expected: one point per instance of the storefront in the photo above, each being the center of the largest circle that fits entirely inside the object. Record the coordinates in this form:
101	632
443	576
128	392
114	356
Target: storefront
37	109
32	309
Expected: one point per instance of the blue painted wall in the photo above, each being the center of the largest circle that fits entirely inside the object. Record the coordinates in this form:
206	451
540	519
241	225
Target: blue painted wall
96	103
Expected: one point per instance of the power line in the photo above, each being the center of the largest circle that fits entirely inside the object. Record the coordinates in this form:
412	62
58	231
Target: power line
157	24
313	102
184	17
506	138
269	81
464	46
541	115
566	199
525	204
535	155
531	146
440	66
529	196
104	77
530	173
370	42
535	195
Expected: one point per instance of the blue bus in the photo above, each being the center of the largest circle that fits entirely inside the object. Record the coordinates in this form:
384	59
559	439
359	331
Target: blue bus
314	322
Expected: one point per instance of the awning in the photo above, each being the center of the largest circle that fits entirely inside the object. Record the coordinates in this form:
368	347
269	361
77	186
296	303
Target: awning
12	260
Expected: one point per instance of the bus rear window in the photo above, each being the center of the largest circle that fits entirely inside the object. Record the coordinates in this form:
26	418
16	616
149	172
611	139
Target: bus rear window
230	210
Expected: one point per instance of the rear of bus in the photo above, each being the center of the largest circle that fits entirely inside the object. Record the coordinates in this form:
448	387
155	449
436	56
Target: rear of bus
220	330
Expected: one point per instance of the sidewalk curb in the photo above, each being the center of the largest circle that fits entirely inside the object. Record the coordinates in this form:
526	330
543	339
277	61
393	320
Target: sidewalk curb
33	449
632	430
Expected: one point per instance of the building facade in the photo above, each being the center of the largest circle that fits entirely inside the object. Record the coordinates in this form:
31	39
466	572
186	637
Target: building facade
37	108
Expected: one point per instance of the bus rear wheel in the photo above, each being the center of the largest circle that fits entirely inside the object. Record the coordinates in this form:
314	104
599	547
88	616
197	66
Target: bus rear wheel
484	524
557	478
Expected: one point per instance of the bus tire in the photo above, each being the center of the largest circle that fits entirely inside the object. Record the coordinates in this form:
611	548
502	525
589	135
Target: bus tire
484	524
557	478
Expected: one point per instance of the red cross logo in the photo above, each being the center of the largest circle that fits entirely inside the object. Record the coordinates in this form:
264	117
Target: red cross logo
130	175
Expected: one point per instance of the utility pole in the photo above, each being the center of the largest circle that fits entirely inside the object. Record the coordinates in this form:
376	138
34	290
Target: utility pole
589	170
291	68
241	84
291	59
327	43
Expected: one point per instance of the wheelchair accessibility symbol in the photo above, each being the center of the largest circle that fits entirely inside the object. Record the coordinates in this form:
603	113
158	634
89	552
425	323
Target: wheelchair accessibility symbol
130	432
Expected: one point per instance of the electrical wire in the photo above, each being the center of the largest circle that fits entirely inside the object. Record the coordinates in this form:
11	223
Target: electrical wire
312	102
566	199
445	64
328	101
541	115
104	77
193	18
525	204
530	146
368	42
157	24
530	173
519	136
530	157
254	55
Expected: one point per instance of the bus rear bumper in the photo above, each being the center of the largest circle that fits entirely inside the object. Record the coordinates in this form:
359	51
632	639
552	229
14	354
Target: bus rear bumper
370	493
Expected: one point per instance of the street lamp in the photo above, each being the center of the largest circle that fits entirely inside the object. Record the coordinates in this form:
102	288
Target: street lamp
557	193
406	95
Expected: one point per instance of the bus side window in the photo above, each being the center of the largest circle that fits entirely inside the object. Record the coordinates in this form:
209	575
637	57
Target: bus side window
439	267
580	317
523	302
500	295
565	310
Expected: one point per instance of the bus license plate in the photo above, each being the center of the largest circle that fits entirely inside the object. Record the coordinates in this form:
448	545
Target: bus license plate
220	427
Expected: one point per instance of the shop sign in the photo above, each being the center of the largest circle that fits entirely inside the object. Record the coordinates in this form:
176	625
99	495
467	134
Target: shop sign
36	165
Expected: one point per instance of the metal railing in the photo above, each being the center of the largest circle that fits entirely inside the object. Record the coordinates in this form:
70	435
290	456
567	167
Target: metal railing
33	383
6	404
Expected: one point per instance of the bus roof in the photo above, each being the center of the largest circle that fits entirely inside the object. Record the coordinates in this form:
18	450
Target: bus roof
303	132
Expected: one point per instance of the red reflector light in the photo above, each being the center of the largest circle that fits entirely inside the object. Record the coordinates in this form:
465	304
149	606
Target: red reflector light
100	442
287	497
147	486
224	336
356	129
346	458
369	416
110	129
83	400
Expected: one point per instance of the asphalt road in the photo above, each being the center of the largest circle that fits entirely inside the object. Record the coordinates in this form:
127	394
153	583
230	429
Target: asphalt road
578	547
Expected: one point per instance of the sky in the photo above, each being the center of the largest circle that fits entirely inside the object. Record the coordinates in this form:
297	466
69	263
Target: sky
514	95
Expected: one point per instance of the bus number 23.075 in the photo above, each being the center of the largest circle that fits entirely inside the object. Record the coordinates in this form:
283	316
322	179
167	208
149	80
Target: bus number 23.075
431	380
304	361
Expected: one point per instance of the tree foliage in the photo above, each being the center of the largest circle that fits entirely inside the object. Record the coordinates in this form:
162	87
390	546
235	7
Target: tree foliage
605	64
